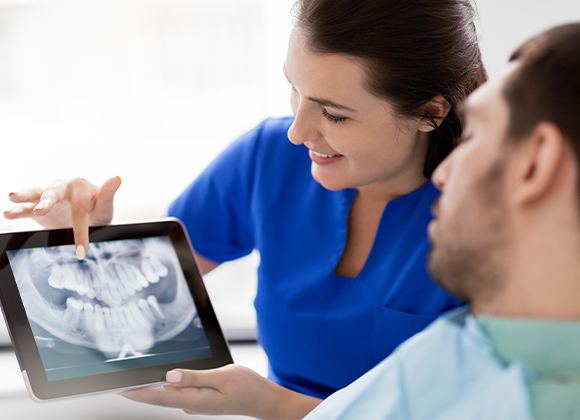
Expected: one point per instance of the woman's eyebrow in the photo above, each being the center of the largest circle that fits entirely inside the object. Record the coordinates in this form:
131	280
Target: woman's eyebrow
328	102
321	101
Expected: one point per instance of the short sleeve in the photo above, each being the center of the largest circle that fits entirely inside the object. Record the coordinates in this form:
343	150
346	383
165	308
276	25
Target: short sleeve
216	207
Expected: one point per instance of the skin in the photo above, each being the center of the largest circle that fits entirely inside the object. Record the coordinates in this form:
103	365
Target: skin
528	265
227	390
381	155
455	257
76	203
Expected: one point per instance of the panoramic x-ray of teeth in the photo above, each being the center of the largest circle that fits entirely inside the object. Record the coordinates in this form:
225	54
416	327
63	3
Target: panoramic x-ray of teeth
124	298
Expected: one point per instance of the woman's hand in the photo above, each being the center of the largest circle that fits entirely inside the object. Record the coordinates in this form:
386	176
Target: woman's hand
228	390
76	203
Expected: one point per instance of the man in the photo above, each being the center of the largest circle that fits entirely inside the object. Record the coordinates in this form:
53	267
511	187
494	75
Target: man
506	238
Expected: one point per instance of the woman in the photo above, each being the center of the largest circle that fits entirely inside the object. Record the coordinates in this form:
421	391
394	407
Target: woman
339	221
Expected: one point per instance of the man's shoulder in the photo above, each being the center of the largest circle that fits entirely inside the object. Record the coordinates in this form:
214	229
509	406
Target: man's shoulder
450	346
447	371
454	332
452	368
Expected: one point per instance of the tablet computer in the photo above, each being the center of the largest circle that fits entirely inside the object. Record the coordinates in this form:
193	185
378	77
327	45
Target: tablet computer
133	309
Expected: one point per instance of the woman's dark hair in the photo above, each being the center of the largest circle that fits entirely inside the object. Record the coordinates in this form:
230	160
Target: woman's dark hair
415	50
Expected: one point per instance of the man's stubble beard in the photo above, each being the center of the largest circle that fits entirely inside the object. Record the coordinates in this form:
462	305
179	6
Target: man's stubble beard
467	259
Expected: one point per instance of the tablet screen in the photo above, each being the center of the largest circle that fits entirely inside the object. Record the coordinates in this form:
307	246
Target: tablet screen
126	305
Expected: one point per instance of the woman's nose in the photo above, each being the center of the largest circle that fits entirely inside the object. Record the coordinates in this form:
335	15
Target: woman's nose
304	128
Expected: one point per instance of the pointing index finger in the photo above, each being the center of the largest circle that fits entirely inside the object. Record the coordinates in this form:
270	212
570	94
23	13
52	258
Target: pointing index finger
82	196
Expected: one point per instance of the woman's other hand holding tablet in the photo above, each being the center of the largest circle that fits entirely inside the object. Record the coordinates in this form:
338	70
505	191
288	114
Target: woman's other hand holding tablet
227	390
76	203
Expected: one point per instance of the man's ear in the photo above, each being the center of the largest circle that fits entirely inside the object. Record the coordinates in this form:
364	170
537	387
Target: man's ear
538	164
434	111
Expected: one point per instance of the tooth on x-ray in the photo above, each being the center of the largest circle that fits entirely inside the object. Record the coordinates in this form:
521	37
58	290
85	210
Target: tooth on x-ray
127	350
122	299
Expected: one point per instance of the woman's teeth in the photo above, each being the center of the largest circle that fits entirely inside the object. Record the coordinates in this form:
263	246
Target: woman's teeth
323	155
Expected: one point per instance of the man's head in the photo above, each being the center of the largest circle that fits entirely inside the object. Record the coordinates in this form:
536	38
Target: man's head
510	207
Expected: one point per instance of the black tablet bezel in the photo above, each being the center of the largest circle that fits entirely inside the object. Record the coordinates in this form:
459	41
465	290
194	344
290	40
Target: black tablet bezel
21	332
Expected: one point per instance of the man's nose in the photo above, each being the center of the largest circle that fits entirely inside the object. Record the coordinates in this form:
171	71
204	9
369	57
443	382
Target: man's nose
441	174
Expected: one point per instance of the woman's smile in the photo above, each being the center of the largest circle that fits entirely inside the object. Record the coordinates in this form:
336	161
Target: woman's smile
323	158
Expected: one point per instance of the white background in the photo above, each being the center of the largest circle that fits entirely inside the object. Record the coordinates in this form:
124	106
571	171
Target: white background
152	90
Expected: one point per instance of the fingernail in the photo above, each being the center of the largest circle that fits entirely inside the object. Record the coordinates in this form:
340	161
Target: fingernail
173	376
11	194
80	252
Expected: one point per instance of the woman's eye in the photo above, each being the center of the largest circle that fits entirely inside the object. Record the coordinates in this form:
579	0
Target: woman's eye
332	118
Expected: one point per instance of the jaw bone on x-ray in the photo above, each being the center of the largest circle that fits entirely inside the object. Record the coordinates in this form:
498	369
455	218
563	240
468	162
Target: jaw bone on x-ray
122	299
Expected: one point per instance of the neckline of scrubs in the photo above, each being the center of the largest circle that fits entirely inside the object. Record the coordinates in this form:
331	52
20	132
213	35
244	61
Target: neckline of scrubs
349	195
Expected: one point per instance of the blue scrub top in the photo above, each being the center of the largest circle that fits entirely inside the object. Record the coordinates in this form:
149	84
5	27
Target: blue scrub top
320	330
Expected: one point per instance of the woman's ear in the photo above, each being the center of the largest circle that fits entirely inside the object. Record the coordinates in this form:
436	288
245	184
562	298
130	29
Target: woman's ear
434	112
538	164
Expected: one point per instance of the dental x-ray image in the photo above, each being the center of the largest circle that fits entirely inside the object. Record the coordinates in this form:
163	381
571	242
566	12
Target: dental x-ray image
126	305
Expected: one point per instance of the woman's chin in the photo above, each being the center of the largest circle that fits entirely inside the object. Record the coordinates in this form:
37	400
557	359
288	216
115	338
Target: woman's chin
330	184
328	181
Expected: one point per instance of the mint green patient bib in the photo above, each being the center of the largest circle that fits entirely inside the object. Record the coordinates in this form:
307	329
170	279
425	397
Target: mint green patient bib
550	350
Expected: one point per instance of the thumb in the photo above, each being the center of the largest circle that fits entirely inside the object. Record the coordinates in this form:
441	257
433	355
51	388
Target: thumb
109	188
212	378
103	211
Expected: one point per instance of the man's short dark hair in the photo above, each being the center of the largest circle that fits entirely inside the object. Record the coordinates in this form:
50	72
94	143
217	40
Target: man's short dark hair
545	86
